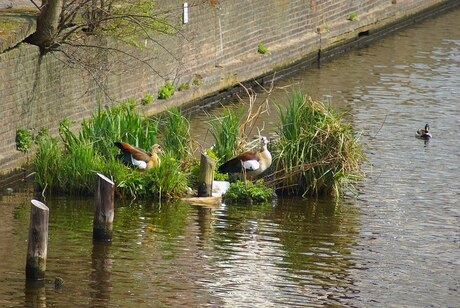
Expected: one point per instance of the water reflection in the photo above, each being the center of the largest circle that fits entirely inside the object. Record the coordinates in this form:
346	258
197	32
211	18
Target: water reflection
205	223
101	263
287	254
35	294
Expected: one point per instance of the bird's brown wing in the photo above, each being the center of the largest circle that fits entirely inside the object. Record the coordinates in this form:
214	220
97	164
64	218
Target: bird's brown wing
234	165
136	152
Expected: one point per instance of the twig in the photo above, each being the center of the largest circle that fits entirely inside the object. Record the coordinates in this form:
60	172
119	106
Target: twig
384	120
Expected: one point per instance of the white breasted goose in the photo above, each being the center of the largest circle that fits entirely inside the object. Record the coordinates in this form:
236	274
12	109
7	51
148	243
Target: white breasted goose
137	157
250	163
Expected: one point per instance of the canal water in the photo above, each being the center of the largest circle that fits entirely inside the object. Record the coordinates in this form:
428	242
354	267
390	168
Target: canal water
397	244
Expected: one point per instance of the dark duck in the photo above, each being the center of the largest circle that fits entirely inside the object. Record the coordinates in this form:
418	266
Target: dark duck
424	133
250	163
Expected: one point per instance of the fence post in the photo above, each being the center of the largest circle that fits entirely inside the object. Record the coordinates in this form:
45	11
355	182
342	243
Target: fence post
104	209
206	177
37	247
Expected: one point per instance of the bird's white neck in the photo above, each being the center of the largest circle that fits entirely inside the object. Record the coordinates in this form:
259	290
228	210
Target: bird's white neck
265	158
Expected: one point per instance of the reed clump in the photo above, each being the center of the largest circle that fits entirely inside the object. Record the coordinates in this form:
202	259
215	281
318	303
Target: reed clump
69	164
226	132
176	137
316	153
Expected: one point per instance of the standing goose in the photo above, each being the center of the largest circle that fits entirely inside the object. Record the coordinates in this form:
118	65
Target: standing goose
137	157
424	133
250	163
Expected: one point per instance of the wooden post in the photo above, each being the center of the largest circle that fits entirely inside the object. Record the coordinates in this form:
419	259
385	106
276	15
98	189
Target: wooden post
104	209
38	241
207	165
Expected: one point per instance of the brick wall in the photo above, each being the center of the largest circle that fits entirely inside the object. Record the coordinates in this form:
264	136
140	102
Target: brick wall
218	45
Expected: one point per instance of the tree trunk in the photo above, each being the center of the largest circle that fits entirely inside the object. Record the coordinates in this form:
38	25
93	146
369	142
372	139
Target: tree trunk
47	24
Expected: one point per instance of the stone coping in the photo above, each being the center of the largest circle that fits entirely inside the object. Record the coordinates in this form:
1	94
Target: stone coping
15	26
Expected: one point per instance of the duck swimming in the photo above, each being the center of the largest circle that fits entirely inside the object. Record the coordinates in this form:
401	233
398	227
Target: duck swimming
424	133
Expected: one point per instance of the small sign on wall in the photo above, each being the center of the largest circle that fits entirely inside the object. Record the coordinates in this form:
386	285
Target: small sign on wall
185	15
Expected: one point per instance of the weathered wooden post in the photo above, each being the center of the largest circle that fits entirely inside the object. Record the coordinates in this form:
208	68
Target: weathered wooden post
104	209
206	177
38	241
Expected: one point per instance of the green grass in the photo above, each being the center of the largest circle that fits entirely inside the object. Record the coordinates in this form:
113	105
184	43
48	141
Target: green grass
176	136
168	181
317	153
353	16
147	99
166	91
226	132
262	49
247	191
24	140
48	160
183	86
119	123
69	164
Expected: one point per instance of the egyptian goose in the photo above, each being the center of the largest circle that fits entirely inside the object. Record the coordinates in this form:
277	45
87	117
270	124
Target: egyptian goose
250	163
137	157
424	133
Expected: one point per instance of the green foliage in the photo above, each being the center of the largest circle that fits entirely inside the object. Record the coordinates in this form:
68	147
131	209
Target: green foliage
78	167
194	173
24	140
69	168
262	49
226	131
316	152
197	82
176	134
119	123
69	164
183	86
217	175
353	16
131	22
42	133
167	181
166	91
147	99
247	191
48	159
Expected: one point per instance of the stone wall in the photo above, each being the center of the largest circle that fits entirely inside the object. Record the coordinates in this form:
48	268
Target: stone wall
218	47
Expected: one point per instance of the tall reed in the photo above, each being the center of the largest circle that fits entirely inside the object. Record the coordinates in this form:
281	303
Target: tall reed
176	136
226	132
168	181
317	152
47	163
119	123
